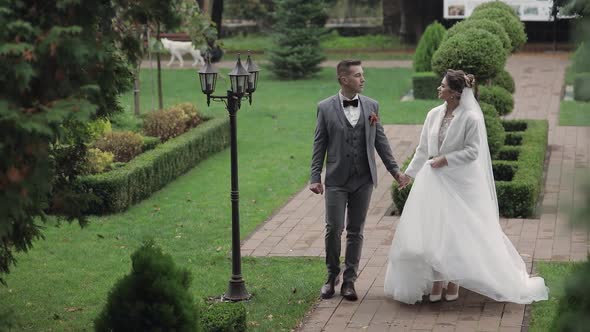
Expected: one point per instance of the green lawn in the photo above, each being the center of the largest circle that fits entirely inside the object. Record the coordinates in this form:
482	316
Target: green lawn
574	113
544	312
63	282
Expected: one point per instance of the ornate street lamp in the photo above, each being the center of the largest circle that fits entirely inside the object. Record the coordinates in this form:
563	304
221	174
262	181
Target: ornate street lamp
243	84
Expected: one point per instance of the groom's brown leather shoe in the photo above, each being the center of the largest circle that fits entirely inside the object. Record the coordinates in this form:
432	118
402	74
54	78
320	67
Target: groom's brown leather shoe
328	289
348	292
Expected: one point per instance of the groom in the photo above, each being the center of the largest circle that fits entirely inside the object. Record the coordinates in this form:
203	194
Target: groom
348	132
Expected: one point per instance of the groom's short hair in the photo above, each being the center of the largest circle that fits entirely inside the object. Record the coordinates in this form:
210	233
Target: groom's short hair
343	67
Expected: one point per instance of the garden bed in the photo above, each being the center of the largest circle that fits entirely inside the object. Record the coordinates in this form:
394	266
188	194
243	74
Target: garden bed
122	187
518	171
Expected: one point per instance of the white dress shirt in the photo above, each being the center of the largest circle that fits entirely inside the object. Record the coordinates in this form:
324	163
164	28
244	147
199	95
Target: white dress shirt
352	113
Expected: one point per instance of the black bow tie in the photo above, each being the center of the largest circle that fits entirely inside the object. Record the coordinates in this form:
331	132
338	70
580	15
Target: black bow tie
354	102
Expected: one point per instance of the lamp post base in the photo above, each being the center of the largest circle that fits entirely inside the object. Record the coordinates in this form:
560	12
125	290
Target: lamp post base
236	290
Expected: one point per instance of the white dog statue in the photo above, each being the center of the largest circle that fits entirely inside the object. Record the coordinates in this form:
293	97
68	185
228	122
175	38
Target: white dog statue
178	49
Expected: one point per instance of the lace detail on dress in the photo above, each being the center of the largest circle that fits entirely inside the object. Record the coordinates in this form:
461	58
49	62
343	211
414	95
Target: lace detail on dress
446	122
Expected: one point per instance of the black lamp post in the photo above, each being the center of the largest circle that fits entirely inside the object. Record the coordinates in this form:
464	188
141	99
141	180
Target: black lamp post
243	84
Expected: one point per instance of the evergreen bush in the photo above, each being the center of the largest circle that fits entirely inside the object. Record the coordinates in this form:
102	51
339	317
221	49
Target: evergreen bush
476	52
428	44
582	58
494	128
97	161
425	85
154	296
582	87
498	97
504	80
296	52
513	26
484	24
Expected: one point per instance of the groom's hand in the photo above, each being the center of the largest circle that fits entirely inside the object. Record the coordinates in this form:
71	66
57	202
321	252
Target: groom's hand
402	179
316	188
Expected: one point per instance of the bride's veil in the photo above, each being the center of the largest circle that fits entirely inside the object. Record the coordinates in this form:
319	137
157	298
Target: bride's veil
484	161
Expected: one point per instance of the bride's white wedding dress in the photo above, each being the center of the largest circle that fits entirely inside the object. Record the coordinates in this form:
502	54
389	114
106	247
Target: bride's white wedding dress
449	229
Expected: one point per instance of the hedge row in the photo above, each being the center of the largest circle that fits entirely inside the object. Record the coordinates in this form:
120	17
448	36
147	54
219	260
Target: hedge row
518	198
519	178
122	187
425	85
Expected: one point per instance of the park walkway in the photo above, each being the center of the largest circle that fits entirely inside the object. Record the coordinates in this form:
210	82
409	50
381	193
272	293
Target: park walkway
297	228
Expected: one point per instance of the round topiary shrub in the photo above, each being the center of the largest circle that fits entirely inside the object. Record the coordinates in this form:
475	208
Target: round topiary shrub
498	97
494	128
428	44
497	4
505	80
513	26
476	52
155	296
487	25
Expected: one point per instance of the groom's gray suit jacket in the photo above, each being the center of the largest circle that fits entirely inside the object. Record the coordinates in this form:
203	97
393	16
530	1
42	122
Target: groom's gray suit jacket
330	138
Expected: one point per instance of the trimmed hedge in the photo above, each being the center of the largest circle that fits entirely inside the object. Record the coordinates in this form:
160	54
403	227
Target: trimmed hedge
494	129
513	26
582	87
428	44
425	85
517	197
224	317
504	80
476	52
152	170
483	24
581	59
498	97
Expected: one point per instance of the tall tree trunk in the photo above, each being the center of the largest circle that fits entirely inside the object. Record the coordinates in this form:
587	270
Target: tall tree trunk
136	90
403	21
217	15
391	16
350	4
160	96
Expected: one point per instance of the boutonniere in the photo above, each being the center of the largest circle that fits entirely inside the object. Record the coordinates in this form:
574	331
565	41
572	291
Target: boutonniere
373	118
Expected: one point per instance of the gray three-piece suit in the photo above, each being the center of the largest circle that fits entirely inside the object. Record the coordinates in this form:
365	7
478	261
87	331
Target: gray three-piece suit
350	175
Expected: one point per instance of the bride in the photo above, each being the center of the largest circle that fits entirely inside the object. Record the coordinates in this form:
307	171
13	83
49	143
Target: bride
449	233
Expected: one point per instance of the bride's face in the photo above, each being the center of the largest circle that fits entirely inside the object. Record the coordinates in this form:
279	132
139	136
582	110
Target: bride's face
445	92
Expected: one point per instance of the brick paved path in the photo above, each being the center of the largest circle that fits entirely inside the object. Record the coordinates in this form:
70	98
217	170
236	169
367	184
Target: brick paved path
297	229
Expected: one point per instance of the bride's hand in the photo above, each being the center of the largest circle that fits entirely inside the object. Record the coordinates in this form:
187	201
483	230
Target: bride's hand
438	162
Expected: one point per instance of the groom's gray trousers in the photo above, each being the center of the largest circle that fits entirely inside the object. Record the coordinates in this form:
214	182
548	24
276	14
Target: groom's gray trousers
352	199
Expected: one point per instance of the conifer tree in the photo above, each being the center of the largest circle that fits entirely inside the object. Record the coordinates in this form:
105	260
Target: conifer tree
296	52
60	66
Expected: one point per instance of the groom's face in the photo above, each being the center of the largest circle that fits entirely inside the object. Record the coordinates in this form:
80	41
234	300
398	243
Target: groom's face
354	80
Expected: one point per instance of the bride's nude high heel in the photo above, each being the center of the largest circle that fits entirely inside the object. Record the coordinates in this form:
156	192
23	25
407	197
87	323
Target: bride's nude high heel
436	297
453	297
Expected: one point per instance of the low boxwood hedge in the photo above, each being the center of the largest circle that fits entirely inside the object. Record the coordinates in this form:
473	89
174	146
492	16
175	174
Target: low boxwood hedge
224	317
138	179
523	166
518	198
582	87
425	85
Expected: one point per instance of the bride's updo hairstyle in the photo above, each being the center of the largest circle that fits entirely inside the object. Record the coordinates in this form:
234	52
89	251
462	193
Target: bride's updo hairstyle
458	80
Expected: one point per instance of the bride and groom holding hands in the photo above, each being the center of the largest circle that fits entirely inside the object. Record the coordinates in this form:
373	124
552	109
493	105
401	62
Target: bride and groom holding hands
449	235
